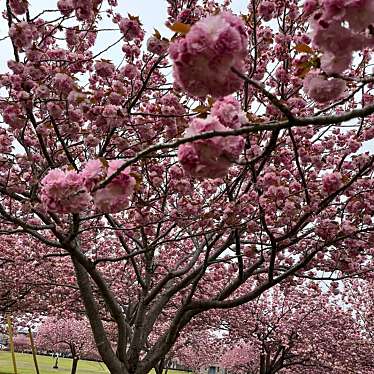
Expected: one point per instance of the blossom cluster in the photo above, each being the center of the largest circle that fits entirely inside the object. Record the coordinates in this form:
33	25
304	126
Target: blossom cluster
338	30
157	45
204	58
13	116
18	7
333	38
64	192
266	10
23	34
73	192
173	122
115	196
131	28
321	89
104	69
5	141
211	158
331	182
84	10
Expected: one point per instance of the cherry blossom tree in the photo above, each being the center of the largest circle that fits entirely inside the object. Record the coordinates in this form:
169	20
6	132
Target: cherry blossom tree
358	296
162	197
35	282
21	343
287	330
198	349
66	335
296	331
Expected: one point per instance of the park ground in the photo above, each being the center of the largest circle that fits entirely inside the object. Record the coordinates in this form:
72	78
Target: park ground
25	365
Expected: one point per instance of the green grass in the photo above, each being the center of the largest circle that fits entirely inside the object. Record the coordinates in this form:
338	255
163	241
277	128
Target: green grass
25	365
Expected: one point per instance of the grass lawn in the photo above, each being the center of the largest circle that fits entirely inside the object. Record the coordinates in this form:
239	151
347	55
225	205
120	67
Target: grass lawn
25	365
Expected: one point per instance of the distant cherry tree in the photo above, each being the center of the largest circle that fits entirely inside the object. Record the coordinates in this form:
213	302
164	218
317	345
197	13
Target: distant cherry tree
21	343
296	330
66	336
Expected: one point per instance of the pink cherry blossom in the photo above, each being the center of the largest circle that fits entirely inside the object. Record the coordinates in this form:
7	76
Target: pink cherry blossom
63	83
64	192
54	109
204	58
104	69
18	7
23	34
331	182
130	71
110	111
321	89
13	117
331	34
335	63
266	10
65	6
157	46
310	6
85	10
93	173
116	196
5	141
228	112
209	158
360	14
131	29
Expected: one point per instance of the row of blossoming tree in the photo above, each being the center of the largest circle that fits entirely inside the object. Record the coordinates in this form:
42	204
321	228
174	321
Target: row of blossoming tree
288	330
298	330
143	200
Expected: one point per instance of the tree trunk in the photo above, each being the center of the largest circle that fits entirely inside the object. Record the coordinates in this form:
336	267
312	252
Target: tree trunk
55	366
73	351
268	364
75	365
159	367
114	365
263	363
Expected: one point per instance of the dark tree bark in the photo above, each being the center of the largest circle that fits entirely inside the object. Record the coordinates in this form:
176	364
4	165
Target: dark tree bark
160	366
75	359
